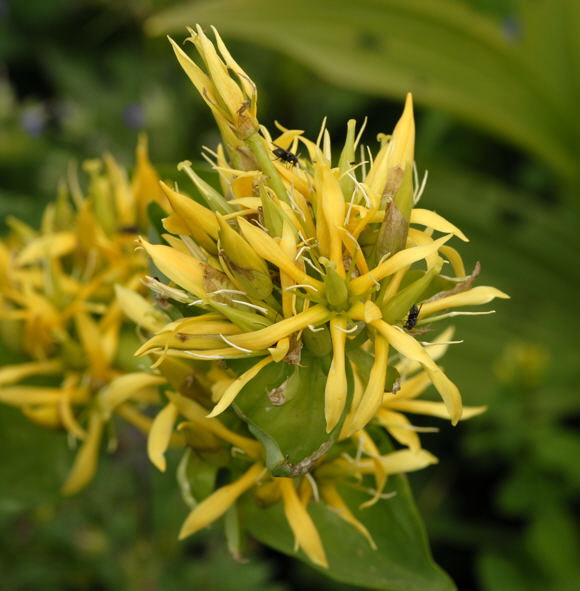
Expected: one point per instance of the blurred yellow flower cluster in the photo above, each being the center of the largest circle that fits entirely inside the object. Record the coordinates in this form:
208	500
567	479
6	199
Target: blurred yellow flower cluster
284	319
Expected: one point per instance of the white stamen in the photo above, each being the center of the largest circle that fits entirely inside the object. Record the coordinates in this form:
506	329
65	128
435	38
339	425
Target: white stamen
419	191
321	133
361	188
301	285
371	159
314	486
259	308
314	329
373	492
200	356
311	264
234	291
350	330
359	135
228	342
429	344
295	205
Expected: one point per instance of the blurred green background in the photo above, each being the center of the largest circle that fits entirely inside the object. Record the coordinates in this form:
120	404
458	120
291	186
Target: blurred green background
497	84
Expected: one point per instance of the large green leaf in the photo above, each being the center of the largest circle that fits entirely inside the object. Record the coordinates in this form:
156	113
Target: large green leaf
402	561
523	89
284	400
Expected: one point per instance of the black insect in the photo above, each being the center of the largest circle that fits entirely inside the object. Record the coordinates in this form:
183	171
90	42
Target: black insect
412	317
285	155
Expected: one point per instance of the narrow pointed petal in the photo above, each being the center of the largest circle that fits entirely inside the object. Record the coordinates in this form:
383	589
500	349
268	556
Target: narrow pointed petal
183	269
476	296
236	386
14	373
399	427
85	464
270	250
305	533
397	462
124	387
197	417
160	435
334	500
404	343
399	260
427	407
449	392
27	395
266	337
373	394
219	502
336	385
46	247
430	219
139	310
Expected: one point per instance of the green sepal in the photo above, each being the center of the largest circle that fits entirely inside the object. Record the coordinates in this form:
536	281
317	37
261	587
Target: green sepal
398	306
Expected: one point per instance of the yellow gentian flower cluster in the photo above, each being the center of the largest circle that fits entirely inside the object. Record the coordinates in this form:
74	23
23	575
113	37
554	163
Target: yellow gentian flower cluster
300	262
57	308
295	297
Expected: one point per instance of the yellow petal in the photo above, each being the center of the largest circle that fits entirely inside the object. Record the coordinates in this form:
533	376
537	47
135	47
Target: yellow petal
399	427
334	500
160	434
402	144
85	464
449	393
427	407
266	337
197	417
124	387
404	343
305	533
139	310
47	247
181	268
226	88
270	250
476	296
29	395
430	219
90	337
145	182
46	416
397	462
336	385
219	502
14	373
399	260
373	394
200	80
333	209
236	386
200	221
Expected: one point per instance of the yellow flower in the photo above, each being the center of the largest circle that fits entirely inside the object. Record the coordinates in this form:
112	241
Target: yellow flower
57	290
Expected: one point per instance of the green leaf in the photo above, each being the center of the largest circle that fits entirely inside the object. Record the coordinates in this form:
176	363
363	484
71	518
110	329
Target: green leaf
448	55
34	461
284	407
402	561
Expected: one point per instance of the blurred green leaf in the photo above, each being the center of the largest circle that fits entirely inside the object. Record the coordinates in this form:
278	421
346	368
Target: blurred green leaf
402	561
448	55
34	462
